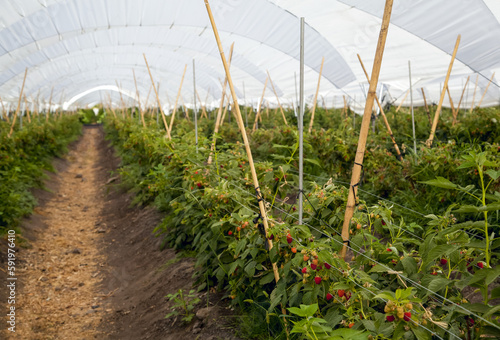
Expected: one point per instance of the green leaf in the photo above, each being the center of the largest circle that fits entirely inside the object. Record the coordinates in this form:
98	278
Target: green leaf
250	268
269	277
385	295
409	264
304	310
493	174
467	209
441	182
438	283
495	293
492	311
421	334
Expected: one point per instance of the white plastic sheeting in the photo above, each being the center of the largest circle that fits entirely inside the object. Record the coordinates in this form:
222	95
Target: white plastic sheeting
78	50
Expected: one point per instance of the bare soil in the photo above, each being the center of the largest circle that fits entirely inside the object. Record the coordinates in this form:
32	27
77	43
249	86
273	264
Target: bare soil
91	268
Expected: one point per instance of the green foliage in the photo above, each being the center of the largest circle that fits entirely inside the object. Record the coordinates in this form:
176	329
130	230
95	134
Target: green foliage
212	210
183	304
23	159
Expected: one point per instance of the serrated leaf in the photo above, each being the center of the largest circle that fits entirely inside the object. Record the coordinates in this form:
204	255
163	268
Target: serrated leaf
304	310
467	209
493	174
421	334
269	277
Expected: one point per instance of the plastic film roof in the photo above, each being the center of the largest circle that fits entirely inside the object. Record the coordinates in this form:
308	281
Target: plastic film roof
81	52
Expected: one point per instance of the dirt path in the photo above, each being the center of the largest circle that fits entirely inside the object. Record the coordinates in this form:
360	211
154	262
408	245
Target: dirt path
60	296
93	269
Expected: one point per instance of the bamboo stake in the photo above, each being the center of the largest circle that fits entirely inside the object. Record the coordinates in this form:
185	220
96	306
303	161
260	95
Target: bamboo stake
26	108
225	110
157	99
152	111
404	98
277	98
316	95
203	111
474	96
344	110
257	115
183	105
440	105
147	100
18	104
219	111
460	102
451	103
426	106
5	113
486	90
386	122
50	104
365	126
176	100
111	106
245	138
121	99
138	100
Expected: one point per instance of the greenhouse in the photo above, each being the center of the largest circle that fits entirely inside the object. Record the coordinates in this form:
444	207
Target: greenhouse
262	169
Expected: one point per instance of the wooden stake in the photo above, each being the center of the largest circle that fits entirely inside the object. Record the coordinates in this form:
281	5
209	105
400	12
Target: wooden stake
245	138
344	110
157	99
5	113
451	103
277	98
50	104
18	105
404	98
219	112
26	108
440	105
365	127
486	90
204	112
176	100
460	102
121	99
386	122
257	115
316	95
474	96
426	107
138	100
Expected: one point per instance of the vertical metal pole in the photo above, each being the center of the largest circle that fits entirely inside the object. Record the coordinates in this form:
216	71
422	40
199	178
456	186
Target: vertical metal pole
301	122
195	111
412	114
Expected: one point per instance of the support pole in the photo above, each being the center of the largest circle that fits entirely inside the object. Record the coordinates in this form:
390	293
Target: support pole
460	102
245	138
365	126
402	102
301	122
195	113
315	102
18	104
412	113
138	100
386	122
474	96
175	105
451	102
50	105
121	99
440	105
5	113
277	98
426	106
157	99
257	115
486	90
219	111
